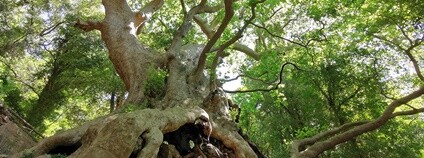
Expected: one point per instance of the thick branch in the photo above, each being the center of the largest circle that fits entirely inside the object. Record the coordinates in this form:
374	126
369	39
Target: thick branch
319	147
130	58
408	112
88	25
235	38
146	13
207	30
229	12
392	98
220	50
183	29
246	50
239	33
308	141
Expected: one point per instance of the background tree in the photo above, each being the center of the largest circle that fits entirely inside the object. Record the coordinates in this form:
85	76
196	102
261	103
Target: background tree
49	67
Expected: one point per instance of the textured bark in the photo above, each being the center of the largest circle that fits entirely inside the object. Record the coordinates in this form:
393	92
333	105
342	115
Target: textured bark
130	58
13	139
188	103
116	135
350	130
14	135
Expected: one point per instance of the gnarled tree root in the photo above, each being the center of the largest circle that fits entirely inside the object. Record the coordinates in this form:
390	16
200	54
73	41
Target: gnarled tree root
119	135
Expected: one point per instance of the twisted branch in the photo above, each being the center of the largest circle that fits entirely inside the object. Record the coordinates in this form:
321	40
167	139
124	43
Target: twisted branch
269	89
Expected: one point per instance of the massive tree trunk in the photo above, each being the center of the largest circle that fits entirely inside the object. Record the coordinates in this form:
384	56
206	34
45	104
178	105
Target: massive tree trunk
191	120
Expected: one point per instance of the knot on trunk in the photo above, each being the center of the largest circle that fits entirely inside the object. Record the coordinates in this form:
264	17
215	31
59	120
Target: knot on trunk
217	103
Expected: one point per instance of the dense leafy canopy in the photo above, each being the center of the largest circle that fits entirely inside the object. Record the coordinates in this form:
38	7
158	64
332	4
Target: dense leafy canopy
349	60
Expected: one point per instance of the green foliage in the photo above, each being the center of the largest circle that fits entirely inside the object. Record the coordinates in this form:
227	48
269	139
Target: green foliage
351	54
10	92
28	154
46	64
155	84
345	70
306	132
